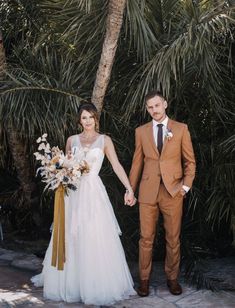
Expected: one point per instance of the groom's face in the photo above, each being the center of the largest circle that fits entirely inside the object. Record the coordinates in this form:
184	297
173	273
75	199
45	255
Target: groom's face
156	107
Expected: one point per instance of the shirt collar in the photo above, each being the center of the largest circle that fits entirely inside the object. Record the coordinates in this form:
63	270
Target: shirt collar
164	122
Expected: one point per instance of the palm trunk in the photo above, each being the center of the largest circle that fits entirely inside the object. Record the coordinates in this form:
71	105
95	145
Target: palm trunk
113	26
2	58
233	229
21	159
17	146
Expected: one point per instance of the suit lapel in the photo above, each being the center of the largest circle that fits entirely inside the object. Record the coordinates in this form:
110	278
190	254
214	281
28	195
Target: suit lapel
151	137
165	142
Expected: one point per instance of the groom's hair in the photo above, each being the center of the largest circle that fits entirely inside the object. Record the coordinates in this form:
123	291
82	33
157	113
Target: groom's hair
152	94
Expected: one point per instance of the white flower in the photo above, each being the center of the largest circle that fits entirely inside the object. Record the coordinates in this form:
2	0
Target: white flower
76	165
52	168
76	172
38	156
44	136
47	148
57	168
61	161
41	146
169	134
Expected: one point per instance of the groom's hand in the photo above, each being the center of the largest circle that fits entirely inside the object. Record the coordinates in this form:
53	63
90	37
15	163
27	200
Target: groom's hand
183	192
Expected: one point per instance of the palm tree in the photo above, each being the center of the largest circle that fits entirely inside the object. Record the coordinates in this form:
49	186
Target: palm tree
2	57
113	26
35	83
190	38
221	198
17	145
181	47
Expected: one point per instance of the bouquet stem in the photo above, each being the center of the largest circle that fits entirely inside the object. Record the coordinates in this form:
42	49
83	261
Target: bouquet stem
58	248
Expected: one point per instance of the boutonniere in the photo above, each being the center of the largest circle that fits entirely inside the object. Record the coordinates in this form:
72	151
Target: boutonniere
169	134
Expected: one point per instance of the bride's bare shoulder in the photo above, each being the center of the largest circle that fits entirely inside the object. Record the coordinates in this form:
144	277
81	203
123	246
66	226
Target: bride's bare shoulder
107	138
72	137
108	141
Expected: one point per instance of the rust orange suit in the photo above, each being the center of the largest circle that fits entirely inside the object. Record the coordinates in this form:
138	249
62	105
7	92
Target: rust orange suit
162	177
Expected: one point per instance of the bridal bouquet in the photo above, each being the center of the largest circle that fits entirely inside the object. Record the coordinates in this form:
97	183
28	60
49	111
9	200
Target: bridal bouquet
57	168
60	172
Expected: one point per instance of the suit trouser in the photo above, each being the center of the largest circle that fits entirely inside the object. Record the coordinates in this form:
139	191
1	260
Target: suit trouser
171	209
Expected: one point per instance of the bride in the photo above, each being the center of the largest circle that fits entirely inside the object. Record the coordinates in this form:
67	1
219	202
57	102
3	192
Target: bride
95	271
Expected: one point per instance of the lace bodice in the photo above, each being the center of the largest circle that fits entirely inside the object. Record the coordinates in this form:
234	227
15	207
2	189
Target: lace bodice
94	154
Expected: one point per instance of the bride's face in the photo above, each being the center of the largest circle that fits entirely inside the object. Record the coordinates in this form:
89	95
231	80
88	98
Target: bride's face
87	120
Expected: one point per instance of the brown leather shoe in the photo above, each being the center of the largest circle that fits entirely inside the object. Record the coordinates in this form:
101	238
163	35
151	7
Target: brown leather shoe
143	289
174	287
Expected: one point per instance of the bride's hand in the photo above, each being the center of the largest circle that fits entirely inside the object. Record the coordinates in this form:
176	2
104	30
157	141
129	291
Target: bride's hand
129	198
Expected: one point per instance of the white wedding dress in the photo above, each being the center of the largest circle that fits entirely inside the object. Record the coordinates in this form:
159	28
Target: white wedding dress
95	271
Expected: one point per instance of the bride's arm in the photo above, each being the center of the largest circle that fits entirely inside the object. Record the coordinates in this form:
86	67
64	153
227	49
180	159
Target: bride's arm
117	167
68	145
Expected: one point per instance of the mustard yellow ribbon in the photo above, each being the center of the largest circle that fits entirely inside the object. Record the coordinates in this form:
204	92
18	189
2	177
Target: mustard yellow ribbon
58	248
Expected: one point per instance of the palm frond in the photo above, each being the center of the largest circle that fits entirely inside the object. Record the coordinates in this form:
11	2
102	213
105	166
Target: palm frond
44	97
198	45
137	29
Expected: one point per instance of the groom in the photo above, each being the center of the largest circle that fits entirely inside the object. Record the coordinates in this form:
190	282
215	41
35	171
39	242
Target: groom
164	159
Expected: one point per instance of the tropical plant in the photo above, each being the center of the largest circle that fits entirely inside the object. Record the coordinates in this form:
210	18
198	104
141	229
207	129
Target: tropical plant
185	48
113	26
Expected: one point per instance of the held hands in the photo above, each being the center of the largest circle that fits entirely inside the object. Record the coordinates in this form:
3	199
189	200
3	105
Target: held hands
129	198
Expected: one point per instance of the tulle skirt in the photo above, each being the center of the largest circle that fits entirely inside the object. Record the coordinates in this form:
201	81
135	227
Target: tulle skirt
95	270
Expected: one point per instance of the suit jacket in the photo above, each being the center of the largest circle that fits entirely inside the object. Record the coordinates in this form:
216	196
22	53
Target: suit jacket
175	165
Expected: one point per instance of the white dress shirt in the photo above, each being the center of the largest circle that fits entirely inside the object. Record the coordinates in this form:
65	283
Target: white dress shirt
164	129
164	132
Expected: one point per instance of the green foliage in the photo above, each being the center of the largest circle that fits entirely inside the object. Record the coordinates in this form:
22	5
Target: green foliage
185	48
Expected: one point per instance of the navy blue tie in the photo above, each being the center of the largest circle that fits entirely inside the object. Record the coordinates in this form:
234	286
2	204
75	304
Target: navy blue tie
159	138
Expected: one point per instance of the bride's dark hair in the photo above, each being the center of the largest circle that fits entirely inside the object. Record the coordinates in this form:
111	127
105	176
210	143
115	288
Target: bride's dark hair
91	108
